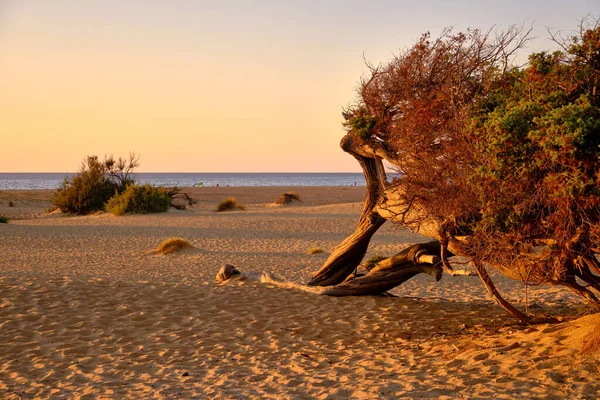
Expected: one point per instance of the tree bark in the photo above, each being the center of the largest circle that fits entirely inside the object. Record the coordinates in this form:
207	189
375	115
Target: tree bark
393	271
347	256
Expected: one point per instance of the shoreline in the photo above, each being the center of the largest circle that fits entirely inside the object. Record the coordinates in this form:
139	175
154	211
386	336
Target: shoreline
37	201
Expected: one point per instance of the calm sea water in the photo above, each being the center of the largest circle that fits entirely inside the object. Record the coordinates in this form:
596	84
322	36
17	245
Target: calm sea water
54	180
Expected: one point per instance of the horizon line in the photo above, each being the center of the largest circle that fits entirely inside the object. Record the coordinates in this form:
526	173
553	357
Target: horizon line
186	172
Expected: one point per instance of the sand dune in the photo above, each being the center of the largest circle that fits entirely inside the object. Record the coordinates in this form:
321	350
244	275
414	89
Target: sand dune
86	312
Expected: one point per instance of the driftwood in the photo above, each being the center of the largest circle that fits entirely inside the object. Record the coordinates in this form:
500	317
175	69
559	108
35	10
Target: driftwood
385	275
227	272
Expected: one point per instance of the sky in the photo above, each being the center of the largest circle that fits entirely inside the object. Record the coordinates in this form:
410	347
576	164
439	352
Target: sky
213	86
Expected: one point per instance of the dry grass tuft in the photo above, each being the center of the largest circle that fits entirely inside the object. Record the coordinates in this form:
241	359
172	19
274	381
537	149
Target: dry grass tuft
583	334
592	344
229	204
172	245
11	203
591	341
288	198
314	250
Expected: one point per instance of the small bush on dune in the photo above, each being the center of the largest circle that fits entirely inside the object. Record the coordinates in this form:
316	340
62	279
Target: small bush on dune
11	203
108	184
3	219
229	204
287	198
141	199
95	183
83	194
87	191
314	250
172	245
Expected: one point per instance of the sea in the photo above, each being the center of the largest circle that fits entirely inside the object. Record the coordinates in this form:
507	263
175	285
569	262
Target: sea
51	180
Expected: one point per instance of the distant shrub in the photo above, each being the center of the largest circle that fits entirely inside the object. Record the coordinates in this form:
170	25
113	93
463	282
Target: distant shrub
314	250
287	198
4	219
95	183
141	199
172	245
229	204
87	191
179	200
11	203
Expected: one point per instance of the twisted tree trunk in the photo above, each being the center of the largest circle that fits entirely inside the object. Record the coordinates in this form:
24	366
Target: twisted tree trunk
347	255
384	202
393	271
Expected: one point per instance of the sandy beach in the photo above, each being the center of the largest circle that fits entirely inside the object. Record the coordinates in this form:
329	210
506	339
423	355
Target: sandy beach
87	311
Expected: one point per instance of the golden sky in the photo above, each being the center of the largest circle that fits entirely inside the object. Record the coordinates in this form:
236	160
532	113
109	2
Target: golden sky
198	86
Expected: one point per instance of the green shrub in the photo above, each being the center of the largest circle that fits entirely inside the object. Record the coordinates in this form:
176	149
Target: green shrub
117	204
95	183
141	199
87	191
360	122
229	204
3	219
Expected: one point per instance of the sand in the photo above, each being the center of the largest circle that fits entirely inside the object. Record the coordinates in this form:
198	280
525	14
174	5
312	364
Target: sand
86	311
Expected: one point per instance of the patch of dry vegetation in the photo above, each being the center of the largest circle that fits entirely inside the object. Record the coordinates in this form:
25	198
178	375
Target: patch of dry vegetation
592	344
172	245
228	204
584	334
315	250
287	198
